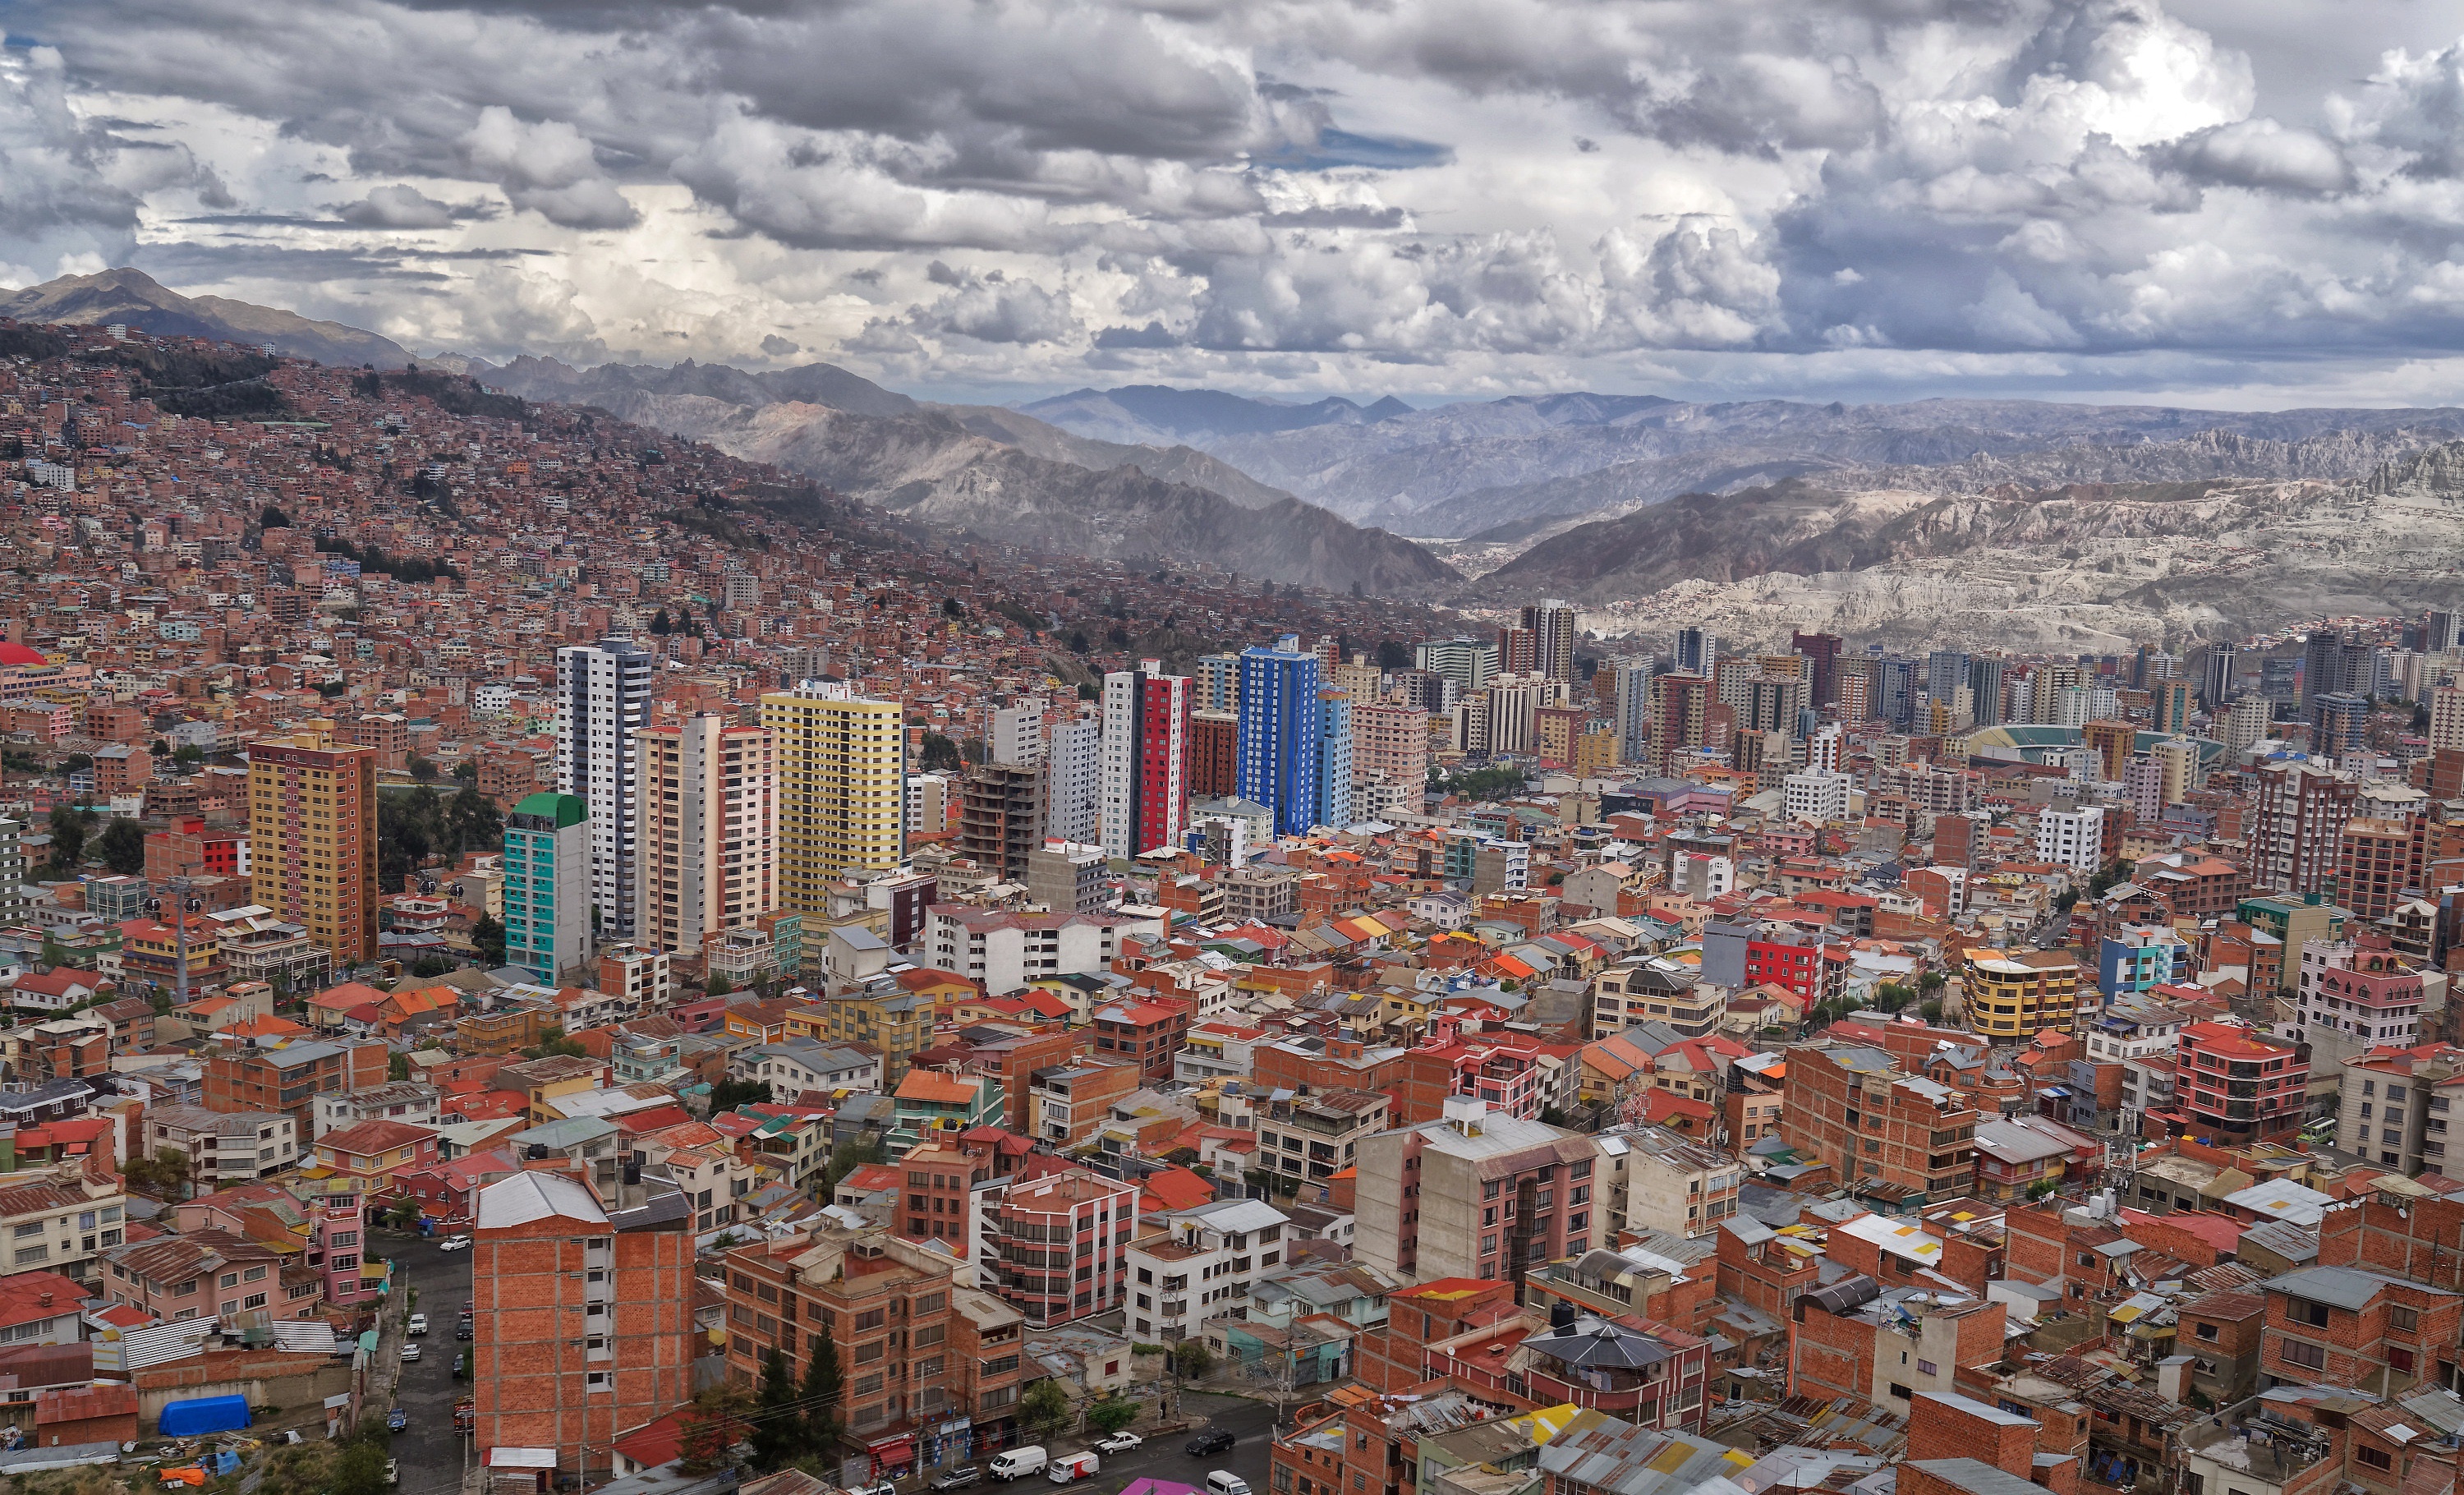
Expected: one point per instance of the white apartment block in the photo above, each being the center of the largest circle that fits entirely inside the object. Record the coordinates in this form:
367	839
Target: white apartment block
1817	796
603	697
1204	1267
708	822
2071	838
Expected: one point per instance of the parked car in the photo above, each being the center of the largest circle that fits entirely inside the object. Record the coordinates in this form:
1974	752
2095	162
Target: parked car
956	1479
877	1487
1118	1443
1012	1463
1224	1481
1071	1468
418	1324
453	1243
393	1471
410	1353
462	1331
396	1419
1205	1443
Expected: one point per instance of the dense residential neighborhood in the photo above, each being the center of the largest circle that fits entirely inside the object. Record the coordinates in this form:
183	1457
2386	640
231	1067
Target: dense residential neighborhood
811	1009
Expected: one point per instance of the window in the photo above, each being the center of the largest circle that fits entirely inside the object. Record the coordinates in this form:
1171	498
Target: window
2403	1319
870	1318
2207	1332
2302	1311
2375	1458
2307	1355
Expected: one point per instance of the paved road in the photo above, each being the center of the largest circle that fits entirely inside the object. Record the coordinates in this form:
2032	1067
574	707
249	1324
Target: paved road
431	1452
1160	1457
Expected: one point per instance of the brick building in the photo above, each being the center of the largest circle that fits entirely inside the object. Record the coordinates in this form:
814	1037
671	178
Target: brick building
583	1315
288	1080
1877	1125
919	1352
1475	1194
1055	1246
2342	1326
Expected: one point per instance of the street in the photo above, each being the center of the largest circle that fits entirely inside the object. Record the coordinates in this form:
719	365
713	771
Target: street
1160	1457
429	1450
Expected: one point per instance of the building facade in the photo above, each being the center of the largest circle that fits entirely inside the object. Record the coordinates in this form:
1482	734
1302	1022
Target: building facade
603	697
547	884
707	816
841	788
313	840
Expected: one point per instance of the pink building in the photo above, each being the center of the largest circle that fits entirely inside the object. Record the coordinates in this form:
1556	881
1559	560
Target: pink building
1055	1246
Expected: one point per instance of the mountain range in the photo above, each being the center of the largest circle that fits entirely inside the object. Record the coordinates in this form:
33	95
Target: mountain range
1935	518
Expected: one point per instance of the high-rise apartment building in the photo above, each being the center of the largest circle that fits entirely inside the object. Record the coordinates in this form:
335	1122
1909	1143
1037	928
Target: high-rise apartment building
1074	760
2072	836
547	884
1334	736
1633	708
583	1314
2217	664
1148	748
1468	662
1681	709
1697	651
1390	745
2339	723
1215	754
1822	653
603	697
1551	626
12	870
1001	816
2172	714
2292	830
1279	734
707	820
842	787
1985	689
1216	684
1477	1192
312	826
2445	719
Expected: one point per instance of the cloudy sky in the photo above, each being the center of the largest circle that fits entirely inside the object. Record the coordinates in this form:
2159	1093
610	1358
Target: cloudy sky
2221	202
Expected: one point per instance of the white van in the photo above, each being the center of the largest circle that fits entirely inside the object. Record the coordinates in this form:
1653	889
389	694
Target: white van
1224	1481
1072	1468
1018	1463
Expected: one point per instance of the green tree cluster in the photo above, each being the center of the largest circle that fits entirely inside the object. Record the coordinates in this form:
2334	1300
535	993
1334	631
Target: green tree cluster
422	826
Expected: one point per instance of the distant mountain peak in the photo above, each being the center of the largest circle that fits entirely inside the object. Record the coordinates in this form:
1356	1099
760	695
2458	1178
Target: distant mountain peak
130	295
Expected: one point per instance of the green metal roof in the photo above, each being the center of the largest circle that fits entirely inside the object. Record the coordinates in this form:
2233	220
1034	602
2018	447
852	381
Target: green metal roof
559	810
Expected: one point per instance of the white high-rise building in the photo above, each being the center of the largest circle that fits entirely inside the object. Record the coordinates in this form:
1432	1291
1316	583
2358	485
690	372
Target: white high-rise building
1817	796
602	697
709	821
2071	838
1073	779
1145	756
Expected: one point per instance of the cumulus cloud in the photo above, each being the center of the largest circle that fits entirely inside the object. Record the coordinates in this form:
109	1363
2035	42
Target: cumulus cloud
398	206
547	166
1283	189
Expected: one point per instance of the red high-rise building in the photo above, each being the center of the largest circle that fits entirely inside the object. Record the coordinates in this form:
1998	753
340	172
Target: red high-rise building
1146	759
1215	754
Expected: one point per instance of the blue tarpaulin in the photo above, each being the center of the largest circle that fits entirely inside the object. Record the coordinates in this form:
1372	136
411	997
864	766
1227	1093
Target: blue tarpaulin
205	1415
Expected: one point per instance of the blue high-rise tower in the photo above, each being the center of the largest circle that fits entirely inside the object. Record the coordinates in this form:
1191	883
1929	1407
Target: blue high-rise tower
1279	734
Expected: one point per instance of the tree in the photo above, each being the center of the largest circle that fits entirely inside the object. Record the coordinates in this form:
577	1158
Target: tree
941	753
824	1390
488	935
661	626
467	771
1044	1409
848	1156
69	827
422	769
1111	1415
122	845
361	1470
717	985
1192	1359
188	753
711	1423
397	1067
274	519
777	1432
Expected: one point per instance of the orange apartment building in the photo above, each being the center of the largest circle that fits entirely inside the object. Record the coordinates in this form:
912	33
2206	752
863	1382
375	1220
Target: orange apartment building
584	1317
923	1358
312	830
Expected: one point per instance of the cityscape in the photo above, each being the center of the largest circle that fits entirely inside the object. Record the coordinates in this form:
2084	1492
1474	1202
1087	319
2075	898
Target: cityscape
1368	747
822	1005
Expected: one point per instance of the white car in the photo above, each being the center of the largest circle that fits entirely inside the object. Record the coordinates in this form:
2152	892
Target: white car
410	1353
453	1242
418	1324
1118	1443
